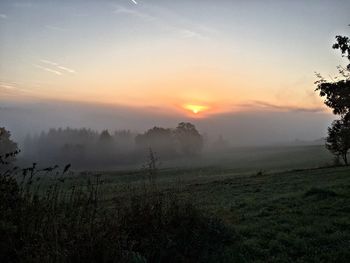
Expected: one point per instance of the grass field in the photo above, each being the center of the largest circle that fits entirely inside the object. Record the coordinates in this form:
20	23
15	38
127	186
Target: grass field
271	158
284	217
299	215
284	204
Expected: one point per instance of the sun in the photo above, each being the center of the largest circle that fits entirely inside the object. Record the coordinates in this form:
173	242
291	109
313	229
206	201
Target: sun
195	109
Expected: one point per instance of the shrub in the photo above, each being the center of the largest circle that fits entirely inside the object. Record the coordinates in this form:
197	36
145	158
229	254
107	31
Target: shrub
51	223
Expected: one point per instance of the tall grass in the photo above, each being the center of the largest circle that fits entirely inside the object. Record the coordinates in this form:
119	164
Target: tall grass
48	222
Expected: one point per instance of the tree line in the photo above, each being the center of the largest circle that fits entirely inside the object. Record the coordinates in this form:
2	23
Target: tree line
87	148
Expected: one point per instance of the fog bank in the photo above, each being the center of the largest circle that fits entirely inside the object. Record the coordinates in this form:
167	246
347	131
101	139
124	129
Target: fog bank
244	128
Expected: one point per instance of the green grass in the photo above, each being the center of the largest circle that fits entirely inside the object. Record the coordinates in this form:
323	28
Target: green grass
293	216
57	224
280	209
296	216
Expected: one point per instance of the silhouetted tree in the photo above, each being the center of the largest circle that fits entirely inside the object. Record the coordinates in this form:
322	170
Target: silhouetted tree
159	139
189	139
105	136
337	93
338	140
343	43
105	150
7	146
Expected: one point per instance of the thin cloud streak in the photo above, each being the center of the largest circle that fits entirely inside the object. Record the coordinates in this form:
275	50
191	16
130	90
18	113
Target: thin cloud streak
3	16
123	10
58	66
270	106
164	23
183	22
190	34
48	62
66	69
56	72
7	86
11	88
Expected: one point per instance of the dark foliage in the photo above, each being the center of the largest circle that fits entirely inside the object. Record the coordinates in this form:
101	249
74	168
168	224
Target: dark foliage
161	140
50	223
343	43
84	147
189	139
90	149
337	93
338	140
7	146
105	136
337	96
185	140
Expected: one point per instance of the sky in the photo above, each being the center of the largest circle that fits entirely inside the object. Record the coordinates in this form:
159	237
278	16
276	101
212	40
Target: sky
191	58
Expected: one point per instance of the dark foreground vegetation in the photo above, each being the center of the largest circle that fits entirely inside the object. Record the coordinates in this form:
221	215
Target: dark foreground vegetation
213	216
50	222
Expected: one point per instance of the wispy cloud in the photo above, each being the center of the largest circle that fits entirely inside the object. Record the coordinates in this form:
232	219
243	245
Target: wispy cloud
271	106
166	20
54	67
56	72
183	23
186	33
3	16
69	70
7	86
48	62
11	88
133	12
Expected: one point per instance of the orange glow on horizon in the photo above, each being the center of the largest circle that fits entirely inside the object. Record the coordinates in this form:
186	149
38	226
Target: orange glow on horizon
195	109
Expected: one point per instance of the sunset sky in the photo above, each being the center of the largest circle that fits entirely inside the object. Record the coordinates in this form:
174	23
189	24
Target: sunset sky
177	56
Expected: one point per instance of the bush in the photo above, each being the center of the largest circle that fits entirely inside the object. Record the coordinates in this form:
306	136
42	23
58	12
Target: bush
56	224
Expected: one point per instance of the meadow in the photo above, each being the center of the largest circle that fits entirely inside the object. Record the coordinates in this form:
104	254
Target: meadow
299	215
295	216
268	204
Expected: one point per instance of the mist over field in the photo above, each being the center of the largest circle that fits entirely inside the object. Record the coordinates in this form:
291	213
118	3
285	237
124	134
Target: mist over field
245	127
69	132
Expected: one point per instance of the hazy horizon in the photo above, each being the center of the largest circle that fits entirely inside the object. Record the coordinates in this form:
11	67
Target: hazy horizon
270	125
